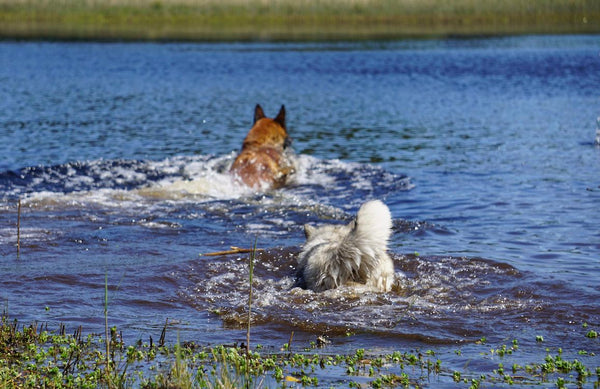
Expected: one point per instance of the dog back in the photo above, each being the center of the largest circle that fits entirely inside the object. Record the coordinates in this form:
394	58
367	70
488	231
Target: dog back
336	255
264	161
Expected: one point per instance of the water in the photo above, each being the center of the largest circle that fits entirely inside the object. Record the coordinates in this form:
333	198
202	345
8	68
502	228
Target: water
484	150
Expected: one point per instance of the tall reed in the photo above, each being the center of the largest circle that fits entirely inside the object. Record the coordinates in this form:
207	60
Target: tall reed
250	280
19	228
106	333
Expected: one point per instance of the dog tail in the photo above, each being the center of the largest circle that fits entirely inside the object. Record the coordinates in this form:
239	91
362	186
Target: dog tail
373	224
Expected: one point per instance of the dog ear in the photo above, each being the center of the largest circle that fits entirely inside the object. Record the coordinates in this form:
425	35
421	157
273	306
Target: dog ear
280	118
287	142
353	224
258	113
309	231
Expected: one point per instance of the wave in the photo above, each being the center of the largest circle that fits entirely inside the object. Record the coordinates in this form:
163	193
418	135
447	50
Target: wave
437	296
165	194
194	179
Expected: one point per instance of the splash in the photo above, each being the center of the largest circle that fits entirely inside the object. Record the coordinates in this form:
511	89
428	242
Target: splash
435	296
198	180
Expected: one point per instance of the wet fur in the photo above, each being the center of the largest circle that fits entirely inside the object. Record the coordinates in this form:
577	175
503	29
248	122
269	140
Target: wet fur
355	253
265	161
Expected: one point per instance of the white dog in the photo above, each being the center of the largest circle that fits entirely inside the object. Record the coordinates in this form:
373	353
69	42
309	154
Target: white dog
355	253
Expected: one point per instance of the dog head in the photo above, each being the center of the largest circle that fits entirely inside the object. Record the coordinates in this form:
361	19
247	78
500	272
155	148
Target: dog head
267	132
328	232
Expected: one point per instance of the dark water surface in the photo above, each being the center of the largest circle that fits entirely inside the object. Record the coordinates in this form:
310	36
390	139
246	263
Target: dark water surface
483	150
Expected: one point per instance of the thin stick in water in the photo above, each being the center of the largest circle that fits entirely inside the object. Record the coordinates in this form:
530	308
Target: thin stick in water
19	228
251	265
234	250
107	368
289	345
163	333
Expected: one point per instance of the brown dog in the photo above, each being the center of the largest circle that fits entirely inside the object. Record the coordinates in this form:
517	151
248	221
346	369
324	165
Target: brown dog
264	162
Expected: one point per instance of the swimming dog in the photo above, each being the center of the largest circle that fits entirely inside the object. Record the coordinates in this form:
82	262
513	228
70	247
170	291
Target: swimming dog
354	253
265	160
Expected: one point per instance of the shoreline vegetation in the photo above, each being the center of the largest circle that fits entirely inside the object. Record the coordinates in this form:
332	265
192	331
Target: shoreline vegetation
31	356
290	20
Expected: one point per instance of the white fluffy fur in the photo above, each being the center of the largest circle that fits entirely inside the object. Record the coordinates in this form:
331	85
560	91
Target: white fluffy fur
336	255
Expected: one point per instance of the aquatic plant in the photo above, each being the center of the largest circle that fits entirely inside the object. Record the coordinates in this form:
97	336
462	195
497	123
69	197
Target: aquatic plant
32	356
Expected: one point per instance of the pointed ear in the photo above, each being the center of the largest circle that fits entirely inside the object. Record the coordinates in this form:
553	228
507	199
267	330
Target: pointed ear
258	113
353	224
281	117
309	231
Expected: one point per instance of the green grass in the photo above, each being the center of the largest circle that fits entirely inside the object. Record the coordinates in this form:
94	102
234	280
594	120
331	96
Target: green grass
214	20
32	357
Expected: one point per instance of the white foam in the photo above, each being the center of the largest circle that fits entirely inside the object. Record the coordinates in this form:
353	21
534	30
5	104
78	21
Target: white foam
29	235
204	178
201	180
108	198
309	173
209	186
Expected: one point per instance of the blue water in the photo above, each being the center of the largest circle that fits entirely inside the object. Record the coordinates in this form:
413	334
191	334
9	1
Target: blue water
482	148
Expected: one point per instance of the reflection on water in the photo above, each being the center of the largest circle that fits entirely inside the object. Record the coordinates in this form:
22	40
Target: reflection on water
190	207
483	149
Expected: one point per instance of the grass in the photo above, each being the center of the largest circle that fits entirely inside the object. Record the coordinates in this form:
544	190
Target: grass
226	20
31	357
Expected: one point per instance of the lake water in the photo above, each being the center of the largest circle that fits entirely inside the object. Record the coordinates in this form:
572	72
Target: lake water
482	148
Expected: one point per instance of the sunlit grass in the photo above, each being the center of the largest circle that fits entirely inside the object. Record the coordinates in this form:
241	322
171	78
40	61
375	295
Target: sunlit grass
34	357
289	19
